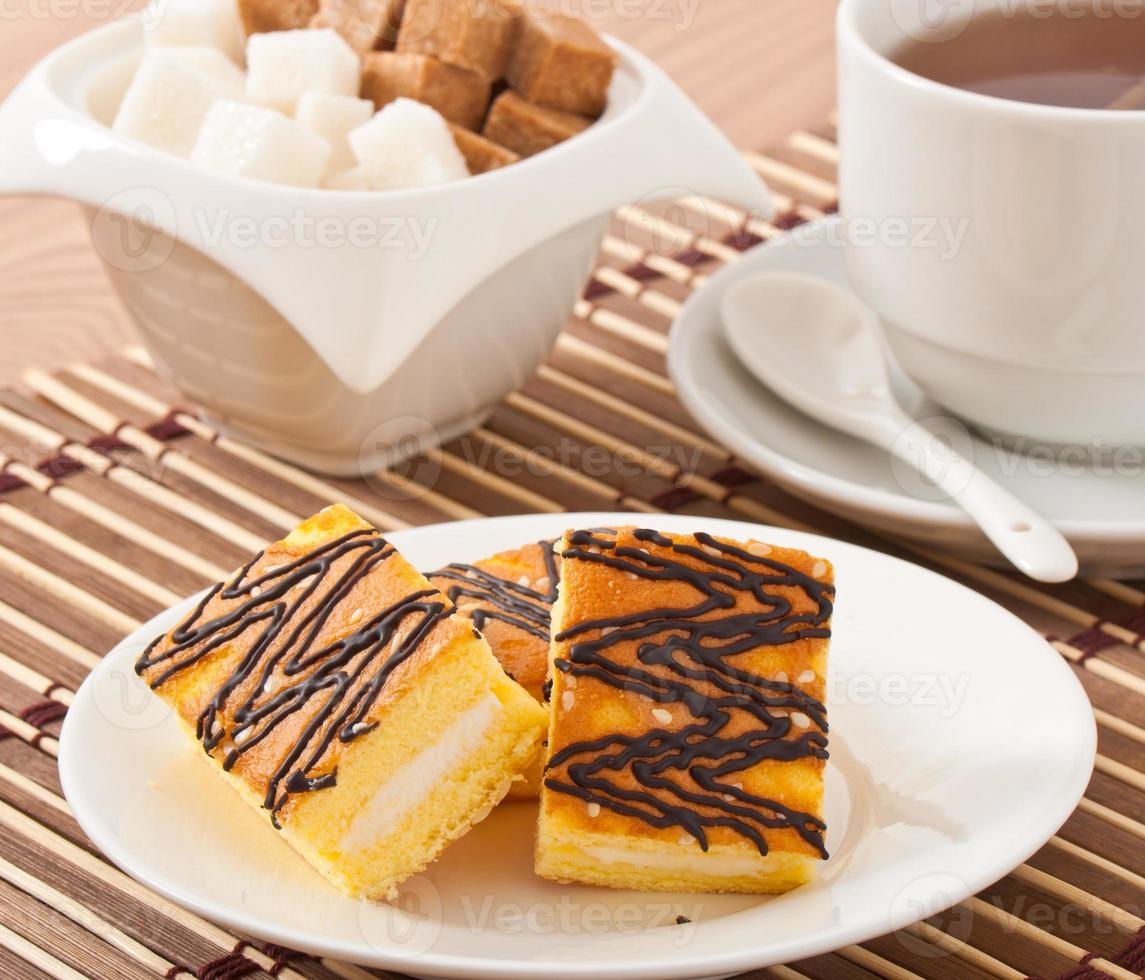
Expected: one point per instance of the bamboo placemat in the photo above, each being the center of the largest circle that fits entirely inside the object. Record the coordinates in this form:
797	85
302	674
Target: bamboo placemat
115	502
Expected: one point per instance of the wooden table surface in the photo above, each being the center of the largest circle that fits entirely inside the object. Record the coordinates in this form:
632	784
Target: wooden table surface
759	68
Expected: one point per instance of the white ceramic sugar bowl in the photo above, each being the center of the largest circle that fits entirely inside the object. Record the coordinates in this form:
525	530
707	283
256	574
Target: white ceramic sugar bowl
344	330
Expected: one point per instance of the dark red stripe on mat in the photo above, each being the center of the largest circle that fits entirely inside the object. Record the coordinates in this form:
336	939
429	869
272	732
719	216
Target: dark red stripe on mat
109	444
59	467
167	428
44	713
642	273
228	967
733	476
8	483
788	220
280	954
596	289
1093	640
669	500
1132	955
742	239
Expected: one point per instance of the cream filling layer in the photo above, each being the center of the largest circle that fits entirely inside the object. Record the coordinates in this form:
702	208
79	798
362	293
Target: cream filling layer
713	864
406	789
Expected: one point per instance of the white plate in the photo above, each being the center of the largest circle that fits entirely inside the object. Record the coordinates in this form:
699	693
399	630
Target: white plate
959	743
1097	508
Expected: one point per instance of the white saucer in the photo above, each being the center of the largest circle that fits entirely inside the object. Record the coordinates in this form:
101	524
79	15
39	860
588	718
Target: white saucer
926	805
1100	510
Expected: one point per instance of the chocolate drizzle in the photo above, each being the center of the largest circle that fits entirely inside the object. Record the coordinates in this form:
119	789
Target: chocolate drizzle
517	605
281	615
686	776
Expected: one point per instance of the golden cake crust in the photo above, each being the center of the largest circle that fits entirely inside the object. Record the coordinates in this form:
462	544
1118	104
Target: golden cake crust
688	686
282	728
509	596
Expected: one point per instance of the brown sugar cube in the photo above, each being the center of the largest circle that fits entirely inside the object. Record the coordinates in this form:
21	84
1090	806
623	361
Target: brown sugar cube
262	16
477	36
561	63
460	95
481	155
366	25
526	128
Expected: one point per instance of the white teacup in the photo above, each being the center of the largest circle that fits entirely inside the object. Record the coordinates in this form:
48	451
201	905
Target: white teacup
1003	243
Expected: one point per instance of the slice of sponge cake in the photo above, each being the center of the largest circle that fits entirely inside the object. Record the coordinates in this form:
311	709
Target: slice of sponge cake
688	733
509	596
345	699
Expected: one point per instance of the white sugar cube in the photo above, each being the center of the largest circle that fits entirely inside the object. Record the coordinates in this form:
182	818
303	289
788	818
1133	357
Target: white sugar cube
250	141
407	145
284	65
214	63
354	179
196	23
332	117
168	98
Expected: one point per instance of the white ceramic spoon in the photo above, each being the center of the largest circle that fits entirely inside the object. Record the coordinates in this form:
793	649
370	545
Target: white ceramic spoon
818	347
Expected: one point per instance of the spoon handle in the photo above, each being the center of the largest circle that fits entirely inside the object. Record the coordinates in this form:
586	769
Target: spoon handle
1026	538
